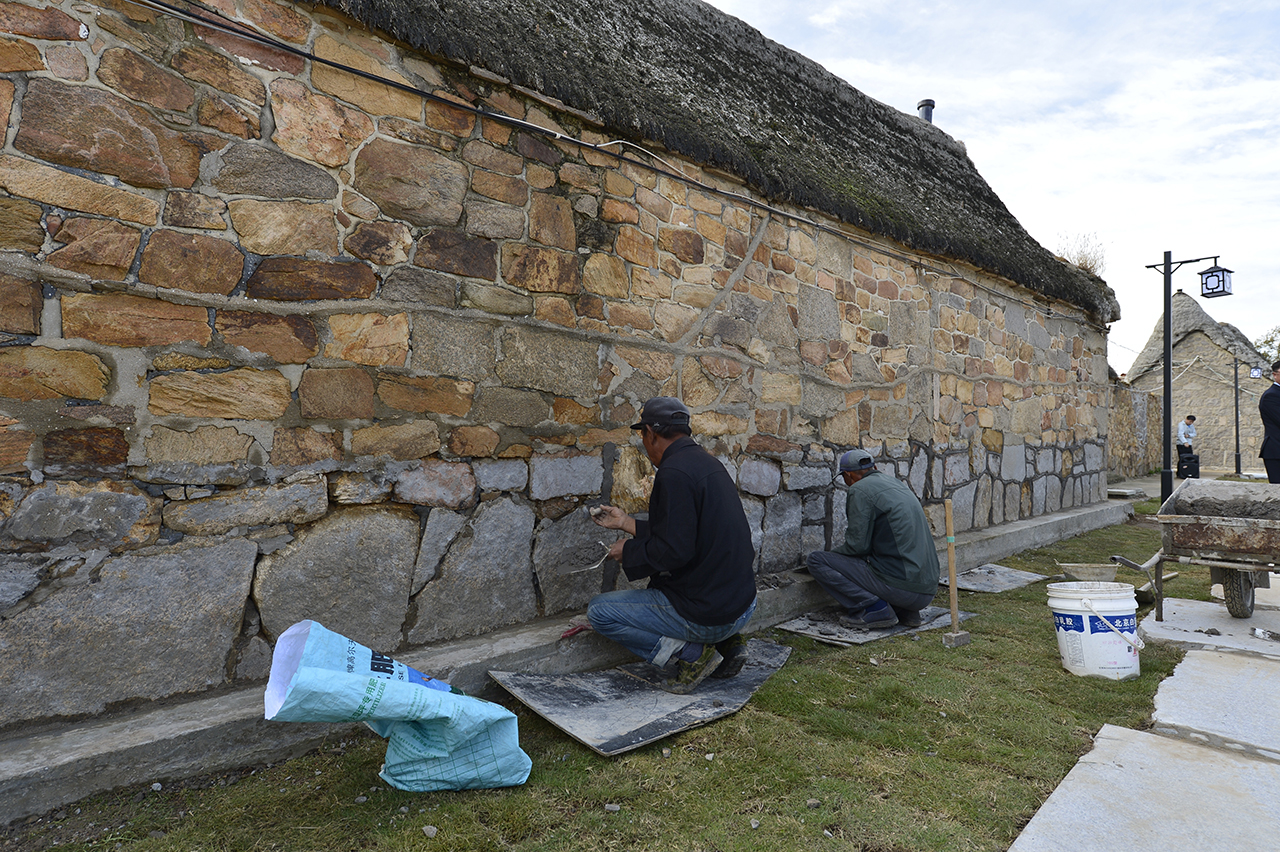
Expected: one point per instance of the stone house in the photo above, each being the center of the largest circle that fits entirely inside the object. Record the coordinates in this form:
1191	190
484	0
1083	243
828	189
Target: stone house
1204	381
341	311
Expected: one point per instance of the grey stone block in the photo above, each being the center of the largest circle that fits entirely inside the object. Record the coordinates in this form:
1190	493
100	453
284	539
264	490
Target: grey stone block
297	502
759	477
501	474
780	550
557	476
442	528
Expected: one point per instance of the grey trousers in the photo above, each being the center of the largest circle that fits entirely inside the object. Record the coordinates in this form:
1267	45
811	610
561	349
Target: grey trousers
850	580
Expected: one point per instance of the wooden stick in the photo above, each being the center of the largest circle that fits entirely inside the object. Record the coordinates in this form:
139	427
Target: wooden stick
956	637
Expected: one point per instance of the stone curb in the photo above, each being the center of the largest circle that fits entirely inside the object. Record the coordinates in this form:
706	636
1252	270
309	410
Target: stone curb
42	770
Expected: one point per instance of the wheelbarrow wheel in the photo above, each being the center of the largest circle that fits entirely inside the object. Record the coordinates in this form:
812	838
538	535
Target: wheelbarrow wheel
1237	591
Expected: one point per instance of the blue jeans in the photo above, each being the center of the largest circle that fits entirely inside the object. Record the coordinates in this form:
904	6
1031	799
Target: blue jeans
850	580
645	623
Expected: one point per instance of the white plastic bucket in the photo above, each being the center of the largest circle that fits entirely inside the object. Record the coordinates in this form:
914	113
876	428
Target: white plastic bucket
1097	627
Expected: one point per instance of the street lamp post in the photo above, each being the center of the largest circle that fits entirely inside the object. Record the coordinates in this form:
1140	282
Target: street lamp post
1235	378
1214	281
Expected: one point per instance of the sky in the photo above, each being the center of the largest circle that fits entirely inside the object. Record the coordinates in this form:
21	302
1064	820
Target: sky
1134	126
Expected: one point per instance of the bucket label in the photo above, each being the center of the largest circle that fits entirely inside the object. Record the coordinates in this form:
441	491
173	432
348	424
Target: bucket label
1068	622
1123	623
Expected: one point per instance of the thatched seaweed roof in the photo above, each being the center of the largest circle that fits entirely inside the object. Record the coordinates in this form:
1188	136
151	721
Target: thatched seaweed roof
710	87
1188	318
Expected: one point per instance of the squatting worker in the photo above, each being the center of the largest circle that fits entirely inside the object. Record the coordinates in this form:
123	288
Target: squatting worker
695	548
1269	408
886	569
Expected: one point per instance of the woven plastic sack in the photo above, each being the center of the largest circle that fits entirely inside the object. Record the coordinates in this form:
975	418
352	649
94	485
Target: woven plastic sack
436	739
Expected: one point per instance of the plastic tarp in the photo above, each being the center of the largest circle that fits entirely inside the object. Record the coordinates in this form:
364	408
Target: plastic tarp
437	739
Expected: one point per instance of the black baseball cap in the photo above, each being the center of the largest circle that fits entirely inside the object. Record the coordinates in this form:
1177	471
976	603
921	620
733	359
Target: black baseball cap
663	411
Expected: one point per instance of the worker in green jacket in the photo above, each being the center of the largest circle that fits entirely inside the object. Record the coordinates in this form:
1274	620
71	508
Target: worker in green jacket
886	569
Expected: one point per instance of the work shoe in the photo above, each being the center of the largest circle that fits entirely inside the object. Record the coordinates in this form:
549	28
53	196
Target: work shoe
734	651
909	617
687	676
876	617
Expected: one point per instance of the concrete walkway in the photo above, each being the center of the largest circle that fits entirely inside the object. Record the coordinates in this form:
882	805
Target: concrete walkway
41	769
1207	773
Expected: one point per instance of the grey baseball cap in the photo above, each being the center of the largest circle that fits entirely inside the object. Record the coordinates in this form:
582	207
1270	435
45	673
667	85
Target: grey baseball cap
663	411
856	460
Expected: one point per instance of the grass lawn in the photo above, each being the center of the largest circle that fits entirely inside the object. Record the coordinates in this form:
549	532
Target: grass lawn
900	744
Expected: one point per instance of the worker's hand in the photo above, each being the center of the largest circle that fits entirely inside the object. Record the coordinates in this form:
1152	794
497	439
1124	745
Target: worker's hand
615	550
609	517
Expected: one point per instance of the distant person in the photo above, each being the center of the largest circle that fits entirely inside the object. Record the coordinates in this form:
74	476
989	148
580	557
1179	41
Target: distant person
1186	435
1269	408
696	550
886	569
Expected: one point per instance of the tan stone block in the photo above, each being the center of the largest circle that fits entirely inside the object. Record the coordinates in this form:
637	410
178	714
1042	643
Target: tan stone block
659	365
285	339
193	262
647	284
193	210
473	441
119	319
411	182
721	368
456	121
378	340
629	315
674	321
20	305
715	424
95	129
493	159
540	270
605	275
284	227
616	183
697	390
41	183
504	188
372	98
205	66
593	438
555	309
15	446
338	394
654	203
244	394
636	246
359	206
426	394
551	222
17	56
98	248
218	114
613	210
37	372
20	227
294	278
6	98
843	428
402	441
568	412
301	446
182	361
383	243
495	299
780	388
316	127
684	244
632	480
202	445
46	24
278	19
142	80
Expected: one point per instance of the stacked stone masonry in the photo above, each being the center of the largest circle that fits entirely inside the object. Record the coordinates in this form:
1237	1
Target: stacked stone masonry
279	342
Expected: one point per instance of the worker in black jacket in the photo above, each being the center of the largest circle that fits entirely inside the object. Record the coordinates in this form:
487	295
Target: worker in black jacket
695	548
1269	408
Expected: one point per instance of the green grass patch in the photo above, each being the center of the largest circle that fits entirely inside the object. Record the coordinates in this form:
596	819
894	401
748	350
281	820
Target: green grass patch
897	745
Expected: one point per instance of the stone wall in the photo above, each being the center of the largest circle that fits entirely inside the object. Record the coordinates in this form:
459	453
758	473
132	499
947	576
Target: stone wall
1204	385
1136	432
278	342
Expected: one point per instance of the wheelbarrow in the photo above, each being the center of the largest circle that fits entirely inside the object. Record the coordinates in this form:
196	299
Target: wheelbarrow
1232	528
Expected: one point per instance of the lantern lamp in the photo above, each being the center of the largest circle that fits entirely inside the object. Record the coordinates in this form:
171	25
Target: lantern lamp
1215	281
